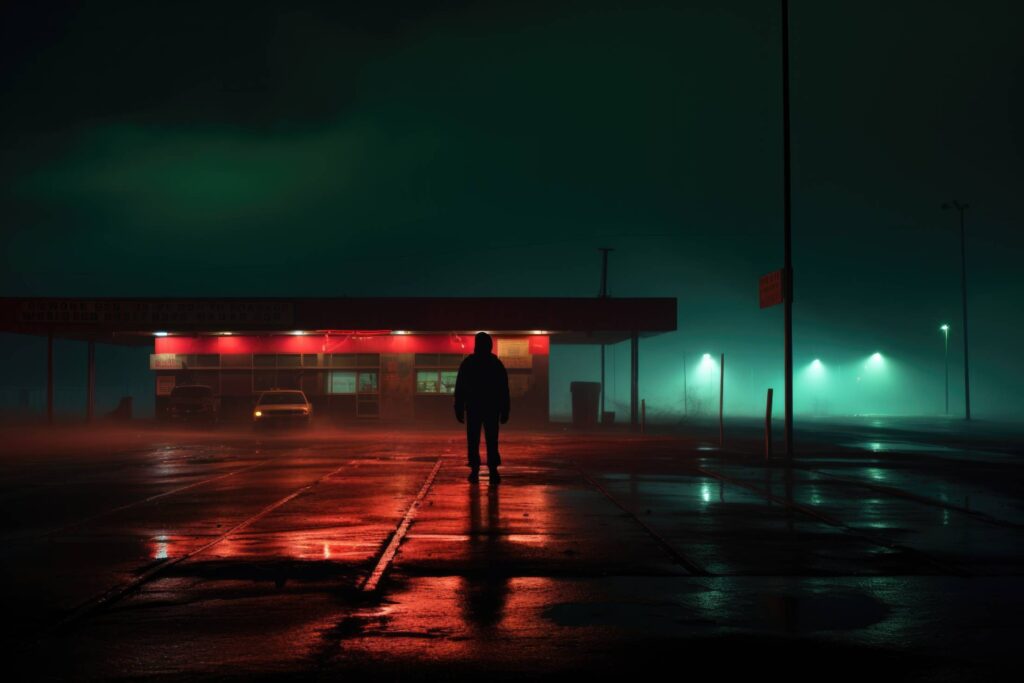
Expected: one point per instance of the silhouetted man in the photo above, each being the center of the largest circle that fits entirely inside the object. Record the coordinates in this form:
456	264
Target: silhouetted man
481	399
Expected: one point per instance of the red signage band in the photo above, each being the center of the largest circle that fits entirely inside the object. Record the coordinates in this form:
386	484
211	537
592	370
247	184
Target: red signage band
330	343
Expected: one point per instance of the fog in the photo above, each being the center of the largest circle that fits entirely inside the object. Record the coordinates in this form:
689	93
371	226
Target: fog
482	150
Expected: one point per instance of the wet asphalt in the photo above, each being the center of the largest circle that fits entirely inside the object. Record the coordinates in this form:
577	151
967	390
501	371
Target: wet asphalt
133	553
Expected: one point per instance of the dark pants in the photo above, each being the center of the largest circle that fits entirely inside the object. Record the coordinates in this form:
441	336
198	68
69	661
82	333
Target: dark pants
489	421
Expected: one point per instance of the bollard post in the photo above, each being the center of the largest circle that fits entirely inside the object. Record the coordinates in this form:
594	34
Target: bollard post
49	376
90	381
768	427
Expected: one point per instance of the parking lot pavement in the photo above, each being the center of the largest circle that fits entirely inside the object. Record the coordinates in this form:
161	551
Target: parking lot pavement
368	552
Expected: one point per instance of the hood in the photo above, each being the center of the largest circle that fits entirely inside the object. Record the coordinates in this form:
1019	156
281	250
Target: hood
484	344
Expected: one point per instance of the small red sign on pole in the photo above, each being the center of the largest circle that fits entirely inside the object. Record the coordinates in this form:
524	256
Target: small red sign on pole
772	289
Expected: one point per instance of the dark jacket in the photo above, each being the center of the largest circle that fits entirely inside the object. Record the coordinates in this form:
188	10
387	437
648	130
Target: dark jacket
482	385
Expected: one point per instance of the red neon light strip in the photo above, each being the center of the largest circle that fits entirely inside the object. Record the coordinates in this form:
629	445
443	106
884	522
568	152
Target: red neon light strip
331	343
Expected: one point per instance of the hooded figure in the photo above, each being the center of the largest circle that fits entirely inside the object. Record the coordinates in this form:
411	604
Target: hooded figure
481	399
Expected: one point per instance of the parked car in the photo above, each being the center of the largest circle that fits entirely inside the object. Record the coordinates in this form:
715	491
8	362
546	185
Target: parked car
193	402
282	407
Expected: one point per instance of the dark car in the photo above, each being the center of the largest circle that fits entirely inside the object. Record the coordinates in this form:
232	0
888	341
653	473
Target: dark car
282	407
193	402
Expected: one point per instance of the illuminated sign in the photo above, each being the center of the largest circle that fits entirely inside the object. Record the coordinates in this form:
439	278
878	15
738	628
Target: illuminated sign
515	353
164	361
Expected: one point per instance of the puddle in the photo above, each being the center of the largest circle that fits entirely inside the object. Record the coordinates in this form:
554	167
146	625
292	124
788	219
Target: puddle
842	612
901	447
634	616
911	447
783	613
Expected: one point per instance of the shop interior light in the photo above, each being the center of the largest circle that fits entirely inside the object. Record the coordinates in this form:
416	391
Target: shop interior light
159	334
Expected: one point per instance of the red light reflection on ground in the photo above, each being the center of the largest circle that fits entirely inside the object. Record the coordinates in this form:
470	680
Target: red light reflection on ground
455	618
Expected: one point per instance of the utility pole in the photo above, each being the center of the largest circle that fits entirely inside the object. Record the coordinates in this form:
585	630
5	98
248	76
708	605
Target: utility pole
604	271
686	411
787	213
945	332
721	402
963	291
603	295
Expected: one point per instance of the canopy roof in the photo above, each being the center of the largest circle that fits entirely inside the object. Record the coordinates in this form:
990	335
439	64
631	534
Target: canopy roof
137	321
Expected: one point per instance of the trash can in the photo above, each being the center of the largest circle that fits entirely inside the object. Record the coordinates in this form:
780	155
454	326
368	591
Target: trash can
585	399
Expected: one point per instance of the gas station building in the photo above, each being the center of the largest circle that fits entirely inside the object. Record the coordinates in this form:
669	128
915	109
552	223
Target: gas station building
388	359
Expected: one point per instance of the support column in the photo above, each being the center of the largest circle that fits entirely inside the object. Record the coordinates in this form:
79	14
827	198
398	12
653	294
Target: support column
90	383
49	377
634	380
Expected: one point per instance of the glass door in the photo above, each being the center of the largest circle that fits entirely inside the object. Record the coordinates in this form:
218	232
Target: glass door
368	394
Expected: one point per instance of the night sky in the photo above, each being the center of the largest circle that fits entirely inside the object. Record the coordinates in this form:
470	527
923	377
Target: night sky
470	148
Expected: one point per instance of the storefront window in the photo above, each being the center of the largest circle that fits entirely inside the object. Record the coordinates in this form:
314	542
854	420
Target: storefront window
448	381
342	382
426	382
367	382
436	381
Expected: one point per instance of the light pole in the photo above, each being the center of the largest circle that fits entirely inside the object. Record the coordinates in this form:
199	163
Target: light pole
787	220
945	332
963	290
603	295
686	412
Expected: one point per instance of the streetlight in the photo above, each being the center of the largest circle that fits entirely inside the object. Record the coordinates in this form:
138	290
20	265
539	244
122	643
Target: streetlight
945	333
815	374
708	365
963	289
706	361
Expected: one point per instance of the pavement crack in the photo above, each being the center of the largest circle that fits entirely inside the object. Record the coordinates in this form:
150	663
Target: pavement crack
677	557
391	550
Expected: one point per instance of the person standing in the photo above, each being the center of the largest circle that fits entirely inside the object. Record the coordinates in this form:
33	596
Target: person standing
482	400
